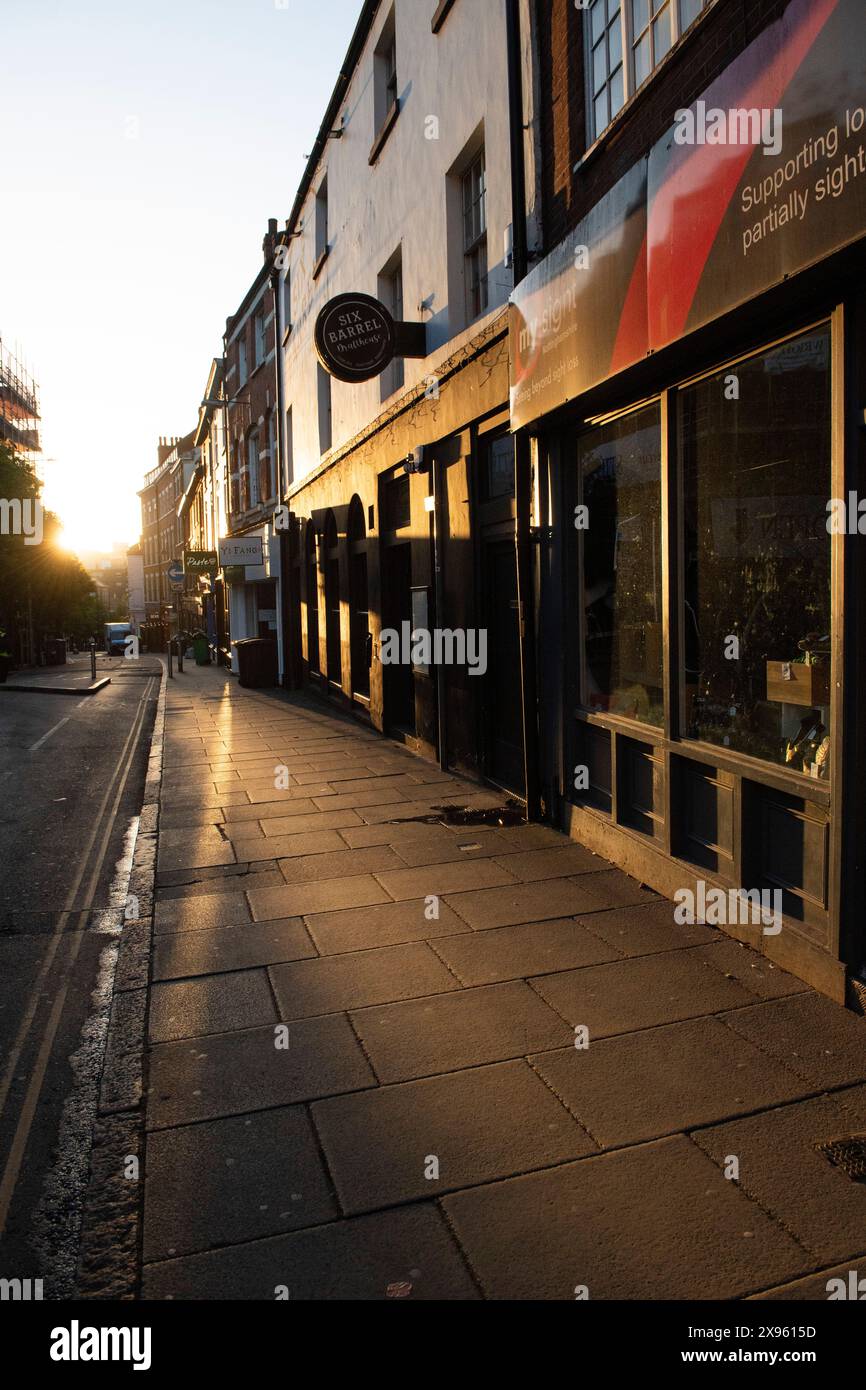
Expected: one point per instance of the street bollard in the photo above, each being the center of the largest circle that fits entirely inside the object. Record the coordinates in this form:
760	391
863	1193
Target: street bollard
180	653
170	670
92	660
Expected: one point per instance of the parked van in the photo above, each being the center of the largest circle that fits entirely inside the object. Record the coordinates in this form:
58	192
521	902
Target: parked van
115	635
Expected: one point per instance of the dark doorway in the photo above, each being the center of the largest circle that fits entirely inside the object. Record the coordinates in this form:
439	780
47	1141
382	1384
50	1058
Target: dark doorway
312	587
396	610
502	703
359	603
332	602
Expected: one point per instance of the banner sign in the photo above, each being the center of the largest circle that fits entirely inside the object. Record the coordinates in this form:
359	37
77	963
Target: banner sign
241	550
354	337
762	177
200	561
576	319
728	221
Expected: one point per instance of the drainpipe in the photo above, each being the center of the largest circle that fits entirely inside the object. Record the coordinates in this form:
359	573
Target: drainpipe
522	446
286	571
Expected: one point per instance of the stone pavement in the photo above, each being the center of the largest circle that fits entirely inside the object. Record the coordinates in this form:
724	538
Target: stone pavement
363	1079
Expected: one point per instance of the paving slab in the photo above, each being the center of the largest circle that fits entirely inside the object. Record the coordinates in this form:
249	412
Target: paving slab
310	868
406	1253
233	1180
211	1004
253	848
399	836
388	924
207	882
329	895
824	1285
512	953
561	897
326	800
649	1223
207	910
197	851
211	951
641	992
476	1125
233	1073
814	1037
446	847
288	805
641	1086
535	865
781	1169
439	879
647	929
310	822
468	1028
330	984
759	975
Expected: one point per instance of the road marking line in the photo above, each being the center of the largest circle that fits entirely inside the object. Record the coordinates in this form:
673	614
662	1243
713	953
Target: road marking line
28	1110
39	742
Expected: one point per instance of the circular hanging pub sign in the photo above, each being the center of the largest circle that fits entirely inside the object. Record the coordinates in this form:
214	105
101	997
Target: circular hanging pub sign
354	337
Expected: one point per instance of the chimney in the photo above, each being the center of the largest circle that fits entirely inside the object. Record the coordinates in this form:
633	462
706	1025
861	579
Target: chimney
269	244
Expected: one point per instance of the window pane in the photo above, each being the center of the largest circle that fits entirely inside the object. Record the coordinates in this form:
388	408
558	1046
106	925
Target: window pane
689	11
601	113
599	67
614	44
657	5
642	61
639	16
498	480
616	93
620	466
661	35
597	14
756	478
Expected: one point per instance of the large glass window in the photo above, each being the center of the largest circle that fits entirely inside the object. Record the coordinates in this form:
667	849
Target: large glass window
625	42
755	454
620	472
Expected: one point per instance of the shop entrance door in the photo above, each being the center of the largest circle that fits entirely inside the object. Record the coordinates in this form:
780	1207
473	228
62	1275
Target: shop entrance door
503	712
399	682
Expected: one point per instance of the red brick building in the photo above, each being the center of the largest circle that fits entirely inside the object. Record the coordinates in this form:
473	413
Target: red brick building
687	389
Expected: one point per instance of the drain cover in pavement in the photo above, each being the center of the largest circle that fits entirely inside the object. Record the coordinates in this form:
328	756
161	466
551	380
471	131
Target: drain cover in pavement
848	1154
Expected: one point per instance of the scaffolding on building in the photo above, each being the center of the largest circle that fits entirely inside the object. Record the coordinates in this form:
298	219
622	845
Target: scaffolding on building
19	406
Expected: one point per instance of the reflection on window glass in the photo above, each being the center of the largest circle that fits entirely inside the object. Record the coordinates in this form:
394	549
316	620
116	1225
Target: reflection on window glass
620	467
755	448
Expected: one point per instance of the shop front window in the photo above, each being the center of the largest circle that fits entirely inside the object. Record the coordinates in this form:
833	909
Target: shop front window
619	520
756	453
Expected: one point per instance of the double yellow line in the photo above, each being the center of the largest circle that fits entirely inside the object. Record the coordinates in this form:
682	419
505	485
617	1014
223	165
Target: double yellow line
100	832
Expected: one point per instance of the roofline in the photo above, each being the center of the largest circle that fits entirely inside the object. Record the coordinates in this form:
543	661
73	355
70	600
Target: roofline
347	71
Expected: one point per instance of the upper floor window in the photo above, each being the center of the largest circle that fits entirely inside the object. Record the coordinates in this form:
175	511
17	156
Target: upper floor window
385	73
322	221
252	476
326	427
474	189
287	301
289	449
625	42
259	337
391	295
242	361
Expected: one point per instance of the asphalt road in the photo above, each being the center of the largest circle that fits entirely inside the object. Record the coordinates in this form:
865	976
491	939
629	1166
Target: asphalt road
71	780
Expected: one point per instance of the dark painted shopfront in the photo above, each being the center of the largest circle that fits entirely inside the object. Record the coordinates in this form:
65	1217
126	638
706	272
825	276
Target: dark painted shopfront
690	368
412	530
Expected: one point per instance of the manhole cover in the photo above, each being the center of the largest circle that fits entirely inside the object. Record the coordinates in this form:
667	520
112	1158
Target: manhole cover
848	1154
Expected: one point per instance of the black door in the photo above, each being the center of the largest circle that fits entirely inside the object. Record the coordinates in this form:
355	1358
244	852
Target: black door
503	709
397	609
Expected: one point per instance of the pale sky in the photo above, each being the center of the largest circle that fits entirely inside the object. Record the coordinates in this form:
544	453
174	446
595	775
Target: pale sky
145	147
